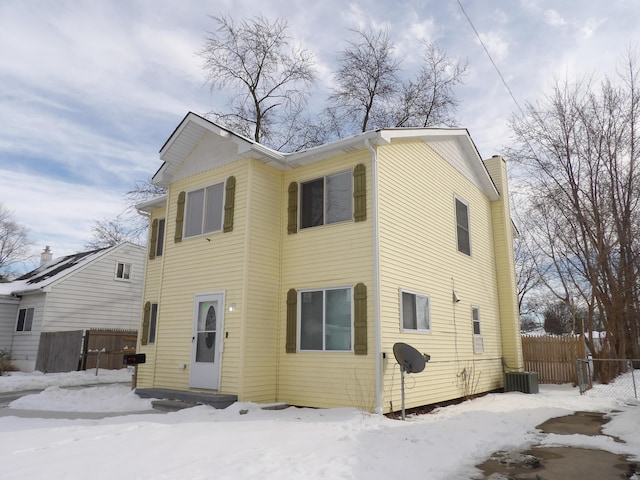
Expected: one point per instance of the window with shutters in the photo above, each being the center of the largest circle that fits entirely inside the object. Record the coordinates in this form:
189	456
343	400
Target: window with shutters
25	319
123	271
204	210
153	323
160	237
462	227
326	319
326	200
414	311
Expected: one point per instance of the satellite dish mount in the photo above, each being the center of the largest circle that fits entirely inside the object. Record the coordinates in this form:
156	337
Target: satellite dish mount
410	361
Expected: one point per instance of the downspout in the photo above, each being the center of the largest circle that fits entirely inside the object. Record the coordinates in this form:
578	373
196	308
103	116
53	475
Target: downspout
376	275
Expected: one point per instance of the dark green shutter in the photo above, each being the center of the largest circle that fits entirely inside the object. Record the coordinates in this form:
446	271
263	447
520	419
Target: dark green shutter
153	241
145	323
293	208
179	217
292	320
229	203
360	320
359	193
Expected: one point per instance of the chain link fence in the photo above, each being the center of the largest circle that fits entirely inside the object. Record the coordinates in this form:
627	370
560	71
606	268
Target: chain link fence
625	385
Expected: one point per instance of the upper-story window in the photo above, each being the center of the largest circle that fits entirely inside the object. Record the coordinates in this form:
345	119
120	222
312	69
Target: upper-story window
203	210
326	200
25	319
462	226
160	237
123	271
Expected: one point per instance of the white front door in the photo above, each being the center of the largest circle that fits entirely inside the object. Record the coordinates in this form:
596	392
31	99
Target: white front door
206	343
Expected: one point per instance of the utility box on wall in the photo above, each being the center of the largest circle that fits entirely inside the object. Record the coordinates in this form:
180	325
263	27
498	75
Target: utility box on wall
525	382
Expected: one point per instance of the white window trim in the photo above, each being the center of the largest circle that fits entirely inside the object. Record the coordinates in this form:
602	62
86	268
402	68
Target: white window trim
158	237
25	332
478	339
122	279
204	211
324	201
411	330
455	216
299	319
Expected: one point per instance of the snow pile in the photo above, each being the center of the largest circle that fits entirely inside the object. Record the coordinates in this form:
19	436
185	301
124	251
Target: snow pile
244	441
18	381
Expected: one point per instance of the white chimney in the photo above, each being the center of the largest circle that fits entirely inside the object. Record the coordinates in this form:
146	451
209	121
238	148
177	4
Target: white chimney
45	256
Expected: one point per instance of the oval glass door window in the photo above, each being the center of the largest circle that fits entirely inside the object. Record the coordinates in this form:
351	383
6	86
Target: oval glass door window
205	350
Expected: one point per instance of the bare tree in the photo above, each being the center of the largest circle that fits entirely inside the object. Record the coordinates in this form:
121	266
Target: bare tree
429	99
367	78
579	148
268	77
129	225
14	242
371	91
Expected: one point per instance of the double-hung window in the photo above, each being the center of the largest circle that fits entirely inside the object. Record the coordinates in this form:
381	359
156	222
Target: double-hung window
326	200
153	322
160	237
415	312
25	320
203	211
123	271
462	227
326	319
478	342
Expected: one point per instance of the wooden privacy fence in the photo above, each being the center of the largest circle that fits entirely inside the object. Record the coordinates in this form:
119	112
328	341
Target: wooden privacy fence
107	347
553	357
59	351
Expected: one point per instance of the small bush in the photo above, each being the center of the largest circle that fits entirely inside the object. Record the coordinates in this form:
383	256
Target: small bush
6	362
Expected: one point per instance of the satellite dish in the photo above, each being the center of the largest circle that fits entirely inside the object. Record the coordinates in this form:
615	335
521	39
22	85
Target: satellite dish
410	361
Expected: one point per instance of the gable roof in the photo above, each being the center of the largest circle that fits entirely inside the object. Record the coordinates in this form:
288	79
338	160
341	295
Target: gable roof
452	144
55	270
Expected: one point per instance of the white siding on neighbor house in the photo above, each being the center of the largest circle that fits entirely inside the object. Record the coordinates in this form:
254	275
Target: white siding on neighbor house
24	348
93	298
8	316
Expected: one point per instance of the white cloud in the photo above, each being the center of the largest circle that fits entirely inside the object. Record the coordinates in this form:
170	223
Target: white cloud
497	46
553	18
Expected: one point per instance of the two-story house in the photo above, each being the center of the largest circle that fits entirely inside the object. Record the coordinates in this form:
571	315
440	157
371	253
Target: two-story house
290	277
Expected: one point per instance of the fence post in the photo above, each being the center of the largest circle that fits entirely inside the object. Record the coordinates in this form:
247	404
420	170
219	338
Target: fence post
633	379
580	375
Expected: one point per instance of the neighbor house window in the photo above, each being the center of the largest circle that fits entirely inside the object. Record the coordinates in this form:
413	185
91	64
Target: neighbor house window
153	322
160	238
326	200
25	320
415	312
462	223
203	211
326	319
123	271
478	342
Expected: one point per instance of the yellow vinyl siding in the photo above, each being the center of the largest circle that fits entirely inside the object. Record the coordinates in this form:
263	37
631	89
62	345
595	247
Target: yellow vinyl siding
151	293
260	306
197	265
335	255
418	252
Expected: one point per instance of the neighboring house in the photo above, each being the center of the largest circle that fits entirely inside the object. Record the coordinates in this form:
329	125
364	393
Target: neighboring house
96	289
290	277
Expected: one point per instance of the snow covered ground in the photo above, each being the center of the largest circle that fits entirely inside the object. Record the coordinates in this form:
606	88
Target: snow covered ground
295	443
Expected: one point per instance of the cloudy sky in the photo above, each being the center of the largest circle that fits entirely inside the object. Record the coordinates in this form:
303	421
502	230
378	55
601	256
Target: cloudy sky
91	89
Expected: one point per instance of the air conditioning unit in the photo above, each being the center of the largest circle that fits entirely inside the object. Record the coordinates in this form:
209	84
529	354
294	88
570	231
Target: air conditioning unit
525	382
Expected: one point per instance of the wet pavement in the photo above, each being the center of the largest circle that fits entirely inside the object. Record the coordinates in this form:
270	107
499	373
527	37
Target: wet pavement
550	463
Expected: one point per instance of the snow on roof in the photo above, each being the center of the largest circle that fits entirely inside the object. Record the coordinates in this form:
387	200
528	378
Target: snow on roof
51	271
